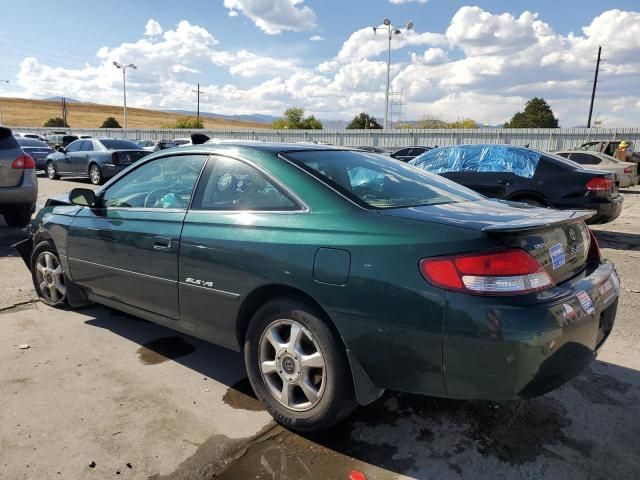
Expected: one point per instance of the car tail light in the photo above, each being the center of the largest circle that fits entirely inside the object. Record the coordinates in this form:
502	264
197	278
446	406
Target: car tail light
594	254
508	272
599	184
628	171
23	162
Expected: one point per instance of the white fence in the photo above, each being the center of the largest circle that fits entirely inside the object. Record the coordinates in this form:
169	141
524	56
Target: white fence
541	138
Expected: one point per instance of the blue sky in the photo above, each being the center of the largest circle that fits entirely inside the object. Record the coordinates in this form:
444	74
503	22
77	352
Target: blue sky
479	59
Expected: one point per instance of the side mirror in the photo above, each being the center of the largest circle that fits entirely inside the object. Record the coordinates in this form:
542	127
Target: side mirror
83	197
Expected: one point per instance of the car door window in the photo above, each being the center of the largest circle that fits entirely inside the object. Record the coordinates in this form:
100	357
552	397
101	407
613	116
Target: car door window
235	185
87	146
74	146
584	159
402	153
167	182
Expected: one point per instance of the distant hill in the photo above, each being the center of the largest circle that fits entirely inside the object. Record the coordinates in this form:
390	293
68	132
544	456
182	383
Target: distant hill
57	99
22	112
258	117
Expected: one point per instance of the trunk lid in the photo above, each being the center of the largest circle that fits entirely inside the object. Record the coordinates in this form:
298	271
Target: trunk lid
558	239
9	151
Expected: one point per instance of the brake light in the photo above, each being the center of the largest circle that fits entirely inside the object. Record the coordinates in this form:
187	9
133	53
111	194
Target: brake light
594	254
599	184
628	171
508	272
23	162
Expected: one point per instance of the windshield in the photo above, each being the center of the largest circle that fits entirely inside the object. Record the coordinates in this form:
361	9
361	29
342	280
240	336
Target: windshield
119	145
375	181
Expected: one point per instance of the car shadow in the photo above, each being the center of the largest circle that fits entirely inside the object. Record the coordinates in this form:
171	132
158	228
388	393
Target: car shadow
9	236
618	240
628	191
415	435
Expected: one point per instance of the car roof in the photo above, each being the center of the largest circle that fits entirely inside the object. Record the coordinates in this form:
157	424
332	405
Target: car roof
271	147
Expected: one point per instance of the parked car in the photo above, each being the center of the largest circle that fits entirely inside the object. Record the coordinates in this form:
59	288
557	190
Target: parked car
610	148
35	149
369	148
334	291
98	159
58	140
409	153
148	145
627	173
181	142
526	175
18	181
29	135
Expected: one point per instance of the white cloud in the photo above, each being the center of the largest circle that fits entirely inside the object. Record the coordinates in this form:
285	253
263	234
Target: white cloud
316	38
152	28
248	64
486	66
275	16
364	43
400	2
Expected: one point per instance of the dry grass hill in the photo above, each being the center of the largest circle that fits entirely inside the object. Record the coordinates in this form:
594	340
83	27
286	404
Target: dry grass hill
21	112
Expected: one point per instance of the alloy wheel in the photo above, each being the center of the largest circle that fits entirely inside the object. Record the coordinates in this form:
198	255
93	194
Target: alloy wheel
51	170
94	173
292	365
50	278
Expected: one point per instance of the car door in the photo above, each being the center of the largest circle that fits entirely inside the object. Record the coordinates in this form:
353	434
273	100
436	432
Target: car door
81	160
231	235
64	163
126	251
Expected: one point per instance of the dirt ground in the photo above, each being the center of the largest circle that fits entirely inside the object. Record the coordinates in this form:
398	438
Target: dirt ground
99	394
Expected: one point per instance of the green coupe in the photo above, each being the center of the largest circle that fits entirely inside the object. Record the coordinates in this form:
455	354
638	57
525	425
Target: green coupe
338	273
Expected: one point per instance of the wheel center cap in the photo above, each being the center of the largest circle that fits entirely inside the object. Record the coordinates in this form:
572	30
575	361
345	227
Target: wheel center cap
288	365
50	279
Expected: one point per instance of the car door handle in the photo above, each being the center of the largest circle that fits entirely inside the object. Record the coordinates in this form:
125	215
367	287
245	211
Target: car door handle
162	243
504	182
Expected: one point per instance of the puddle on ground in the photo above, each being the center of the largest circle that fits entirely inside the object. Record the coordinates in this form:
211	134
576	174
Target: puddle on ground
241	397
163	349
601	388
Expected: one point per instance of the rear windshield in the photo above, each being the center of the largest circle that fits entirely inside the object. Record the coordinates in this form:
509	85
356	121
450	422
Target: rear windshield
119	145
7	142
379	182
31	142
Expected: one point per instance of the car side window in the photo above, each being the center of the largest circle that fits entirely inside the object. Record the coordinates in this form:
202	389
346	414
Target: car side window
584	159
74	146
167	182
87	146
402	153
235	185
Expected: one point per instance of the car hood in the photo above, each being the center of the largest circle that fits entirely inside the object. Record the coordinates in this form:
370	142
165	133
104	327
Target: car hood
489	215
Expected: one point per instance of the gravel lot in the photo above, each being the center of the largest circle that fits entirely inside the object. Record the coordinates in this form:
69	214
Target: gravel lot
99	394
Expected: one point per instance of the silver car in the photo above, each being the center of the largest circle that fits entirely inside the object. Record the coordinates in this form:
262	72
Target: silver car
18	181
627	172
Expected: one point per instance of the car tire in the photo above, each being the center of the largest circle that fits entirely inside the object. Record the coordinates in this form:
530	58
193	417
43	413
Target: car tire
17	216
95	175
317	361
47	275
50	169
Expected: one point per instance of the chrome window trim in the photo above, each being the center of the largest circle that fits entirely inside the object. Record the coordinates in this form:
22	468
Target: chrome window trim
295	198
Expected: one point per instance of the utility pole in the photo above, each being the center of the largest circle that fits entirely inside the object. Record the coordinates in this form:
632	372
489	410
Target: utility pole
124	86
198	91
64	111
595	82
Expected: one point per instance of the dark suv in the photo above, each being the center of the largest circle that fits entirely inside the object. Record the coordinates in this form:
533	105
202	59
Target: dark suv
526	175
18	181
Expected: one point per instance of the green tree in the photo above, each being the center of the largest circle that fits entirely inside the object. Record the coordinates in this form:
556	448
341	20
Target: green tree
55	122
364	120
110	122
431	122
464	123
537	114
294	119
189	122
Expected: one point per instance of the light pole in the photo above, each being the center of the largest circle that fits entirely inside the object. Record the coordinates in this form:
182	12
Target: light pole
391	31
124	86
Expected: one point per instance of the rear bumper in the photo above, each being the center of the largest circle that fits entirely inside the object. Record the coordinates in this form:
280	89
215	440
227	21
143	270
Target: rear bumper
506	349
110	170
24	194
607	211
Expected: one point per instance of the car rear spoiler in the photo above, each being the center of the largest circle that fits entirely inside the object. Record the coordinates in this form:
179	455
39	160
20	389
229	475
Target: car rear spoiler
199	138
553	217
